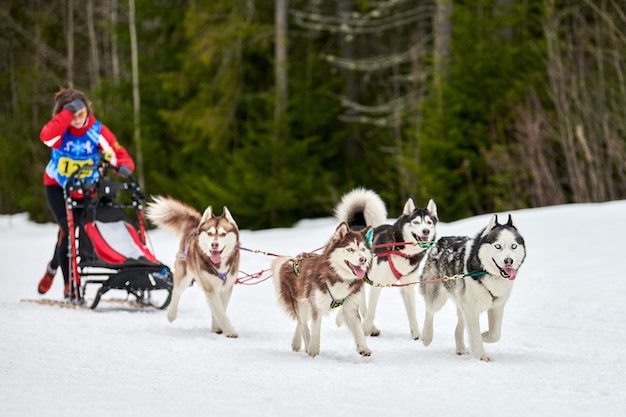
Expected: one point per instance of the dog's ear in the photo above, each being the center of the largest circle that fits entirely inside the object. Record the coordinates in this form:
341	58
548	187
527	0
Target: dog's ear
229	217
208	214
340	231
510	221
409	207
493	222
432	208
368	232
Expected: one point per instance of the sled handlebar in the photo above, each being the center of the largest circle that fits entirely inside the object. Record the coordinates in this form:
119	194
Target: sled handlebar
102	183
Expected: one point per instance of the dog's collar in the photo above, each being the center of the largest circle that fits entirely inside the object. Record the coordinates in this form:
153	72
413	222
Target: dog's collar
221	275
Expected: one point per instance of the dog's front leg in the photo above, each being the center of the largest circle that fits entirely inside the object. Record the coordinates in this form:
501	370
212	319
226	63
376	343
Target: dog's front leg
180	285
408	296
459	333
363	303
472	318
226	294
313	347
296	341
368	320
351	314
495	325
435	297
302	328
220	319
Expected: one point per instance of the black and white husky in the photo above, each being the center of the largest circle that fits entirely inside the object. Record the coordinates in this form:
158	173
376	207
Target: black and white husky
398	248
479	275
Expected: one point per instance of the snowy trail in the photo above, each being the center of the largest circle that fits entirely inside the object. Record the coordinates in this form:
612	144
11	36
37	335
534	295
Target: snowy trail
562	349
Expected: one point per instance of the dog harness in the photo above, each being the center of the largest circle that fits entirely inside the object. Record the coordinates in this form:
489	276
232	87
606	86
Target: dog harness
393	268
335	303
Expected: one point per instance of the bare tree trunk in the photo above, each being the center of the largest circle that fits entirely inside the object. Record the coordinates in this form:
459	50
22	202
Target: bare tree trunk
442	33
115	60
346	51
280	73
94	67
585	43
70	42
532	133
136	97
280	69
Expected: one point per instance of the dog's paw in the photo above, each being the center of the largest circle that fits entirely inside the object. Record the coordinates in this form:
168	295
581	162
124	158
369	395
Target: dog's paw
365	352
368	329
372	331
416	335
427	339
461	352
484	357
296	347
490	338
313	349
228	332
313	352
171	316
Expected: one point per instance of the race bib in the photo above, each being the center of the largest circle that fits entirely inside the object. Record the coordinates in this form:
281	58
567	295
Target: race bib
67	166
74	153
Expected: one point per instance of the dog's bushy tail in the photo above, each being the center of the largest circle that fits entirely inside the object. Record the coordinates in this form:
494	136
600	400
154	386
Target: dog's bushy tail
172	215
285	285
360	208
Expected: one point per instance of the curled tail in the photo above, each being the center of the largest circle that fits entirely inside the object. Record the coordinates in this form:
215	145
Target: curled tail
360	208
172	215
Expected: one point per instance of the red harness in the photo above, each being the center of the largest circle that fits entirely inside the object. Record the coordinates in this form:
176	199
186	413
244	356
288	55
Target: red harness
393	268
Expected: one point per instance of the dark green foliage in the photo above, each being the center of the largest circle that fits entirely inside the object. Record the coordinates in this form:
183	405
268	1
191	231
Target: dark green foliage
489	73
207	83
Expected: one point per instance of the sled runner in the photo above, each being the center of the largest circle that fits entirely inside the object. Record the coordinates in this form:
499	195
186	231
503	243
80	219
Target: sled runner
108	244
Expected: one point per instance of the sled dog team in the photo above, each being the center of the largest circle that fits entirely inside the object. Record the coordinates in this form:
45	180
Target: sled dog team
477	273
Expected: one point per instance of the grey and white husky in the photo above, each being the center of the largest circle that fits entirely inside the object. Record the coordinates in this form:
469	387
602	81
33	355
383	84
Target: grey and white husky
479	276
398	248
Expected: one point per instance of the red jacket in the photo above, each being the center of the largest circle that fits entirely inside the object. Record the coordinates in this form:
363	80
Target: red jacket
52	134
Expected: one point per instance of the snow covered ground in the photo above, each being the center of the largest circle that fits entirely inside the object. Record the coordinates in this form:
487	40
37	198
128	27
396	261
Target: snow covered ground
562	352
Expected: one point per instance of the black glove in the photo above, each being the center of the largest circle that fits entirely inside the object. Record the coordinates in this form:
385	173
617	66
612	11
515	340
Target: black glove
75	106
123	171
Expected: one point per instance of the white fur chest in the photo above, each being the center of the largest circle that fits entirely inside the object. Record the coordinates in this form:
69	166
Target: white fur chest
499	288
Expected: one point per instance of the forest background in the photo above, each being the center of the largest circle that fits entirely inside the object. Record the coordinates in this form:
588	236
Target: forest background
276	108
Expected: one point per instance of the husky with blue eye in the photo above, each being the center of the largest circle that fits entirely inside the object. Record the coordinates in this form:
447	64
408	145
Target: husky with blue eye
399	248
311	285
483	270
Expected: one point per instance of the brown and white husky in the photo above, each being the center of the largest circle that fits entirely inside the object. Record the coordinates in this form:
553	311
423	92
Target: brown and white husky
311	285
208	253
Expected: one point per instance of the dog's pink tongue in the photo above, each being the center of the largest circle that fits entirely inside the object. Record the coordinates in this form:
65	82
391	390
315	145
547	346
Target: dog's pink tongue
511	272
359	272
216	257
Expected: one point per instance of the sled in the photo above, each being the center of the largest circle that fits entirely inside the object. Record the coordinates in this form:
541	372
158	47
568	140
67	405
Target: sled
107	246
